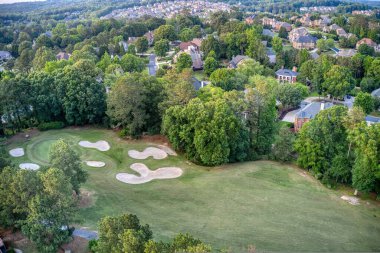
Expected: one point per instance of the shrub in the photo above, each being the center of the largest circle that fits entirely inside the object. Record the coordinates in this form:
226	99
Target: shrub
92	244
51	125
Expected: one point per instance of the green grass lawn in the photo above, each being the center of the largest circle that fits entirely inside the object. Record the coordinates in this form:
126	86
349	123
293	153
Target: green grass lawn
272	206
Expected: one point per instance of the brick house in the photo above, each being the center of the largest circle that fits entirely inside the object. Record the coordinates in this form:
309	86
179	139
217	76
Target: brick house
367	41
305	42
308	113
287	75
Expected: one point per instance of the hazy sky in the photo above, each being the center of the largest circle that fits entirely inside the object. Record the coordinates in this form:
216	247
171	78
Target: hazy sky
17	1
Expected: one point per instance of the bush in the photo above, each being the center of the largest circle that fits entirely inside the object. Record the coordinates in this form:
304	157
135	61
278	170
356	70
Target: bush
51	125
92	244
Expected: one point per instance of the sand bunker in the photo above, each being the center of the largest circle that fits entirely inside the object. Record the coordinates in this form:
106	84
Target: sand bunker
147	175
352	200
29	166
17	152
95	164
99	145
168	150
156	153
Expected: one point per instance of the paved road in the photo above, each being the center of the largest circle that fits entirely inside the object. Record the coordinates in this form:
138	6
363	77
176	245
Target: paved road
86	234
152	65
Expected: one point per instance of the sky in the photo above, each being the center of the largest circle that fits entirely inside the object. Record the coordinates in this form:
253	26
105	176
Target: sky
17	1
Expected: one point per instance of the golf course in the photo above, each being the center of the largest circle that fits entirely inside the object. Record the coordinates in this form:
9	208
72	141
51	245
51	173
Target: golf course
272	206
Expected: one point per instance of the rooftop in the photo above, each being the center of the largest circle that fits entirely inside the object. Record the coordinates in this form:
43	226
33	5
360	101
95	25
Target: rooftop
312	109
286	72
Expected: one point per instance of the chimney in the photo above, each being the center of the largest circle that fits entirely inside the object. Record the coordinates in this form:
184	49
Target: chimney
294	69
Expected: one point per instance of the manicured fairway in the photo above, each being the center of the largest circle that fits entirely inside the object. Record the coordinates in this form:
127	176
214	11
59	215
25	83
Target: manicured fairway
274	207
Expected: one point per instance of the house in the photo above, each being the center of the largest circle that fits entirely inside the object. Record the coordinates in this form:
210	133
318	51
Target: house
298	32
287	75
250	20
279	25
199	84
309	112
267	32
367	41
268	21
314	55
197	42
5	55
305	42
236	61
63	56
150	37
346	53
192	48
341	32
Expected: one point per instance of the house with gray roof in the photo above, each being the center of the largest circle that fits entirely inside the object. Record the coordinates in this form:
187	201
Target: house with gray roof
287	75
5	55
309	112
376	93
305	42
236	60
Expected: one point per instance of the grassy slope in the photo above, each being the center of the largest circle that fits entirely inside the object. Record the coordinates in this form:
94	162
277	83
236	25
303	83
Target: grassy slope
272	206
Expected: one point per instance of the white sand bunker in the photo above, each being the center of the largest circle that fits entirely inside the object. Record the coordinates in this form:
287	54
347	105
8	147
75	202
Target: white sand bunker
95	164
17	152
156	153
29	166
99	145
168	150
352	200
147	175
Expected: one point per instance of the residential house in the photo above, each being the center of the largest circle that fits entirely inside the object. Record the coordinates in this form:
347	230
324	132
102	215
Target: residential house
236	61
309	112
192	48
298	32
5	55
305	42
250	20
268	21
372	120
367	41
278	25
267	32
287	75
63	56
376	93
363	12
346	53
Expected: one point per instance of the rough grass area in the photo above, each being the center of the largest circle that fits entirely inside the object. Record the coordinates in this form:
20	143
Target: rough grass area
272	206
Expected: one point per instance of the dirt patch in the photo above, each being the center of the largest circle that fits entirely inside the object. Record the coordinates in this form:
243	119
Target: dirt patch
352	200
77	245
147	175
167	149
23	136
17	152
156	153
99	145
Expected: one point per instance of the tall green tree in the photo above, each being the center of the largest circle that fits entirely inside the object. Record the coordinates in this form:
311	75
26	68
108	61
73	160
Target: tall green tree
165	32
365	101
184	61
142	44
63	157
50	212
132	63
161	47
338	81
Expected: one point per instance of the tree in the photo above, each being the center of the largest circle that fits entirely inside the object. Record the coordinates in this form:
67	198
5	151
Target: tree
302	56
186	34
368	84
373	71
122	234
184	61
84	96
277	44
283	33
187	243
133	103
261	115
366	169
211	44
364	49
62	157
322	144
291	95
104	62
365	101
161	47
43	55
338	81
142	44
250	67
283	145
131	63
165	32
50	212
256	49
226	79
210	65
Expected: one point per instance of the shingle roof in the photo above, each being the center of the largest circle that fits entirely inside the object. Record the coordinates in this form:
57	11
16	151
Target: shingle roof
286	72
372	119
306	39
237	59
312	109
376	93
